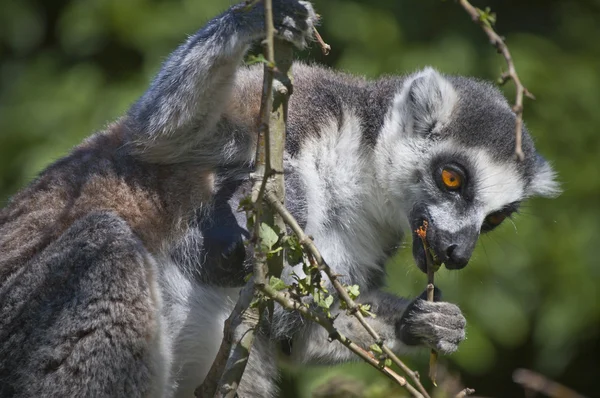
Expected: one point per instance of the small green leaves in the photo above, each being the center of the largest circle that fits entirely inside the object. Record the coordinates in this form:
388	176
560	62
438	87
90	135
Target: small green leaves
256	59
259	59
365	310
353	291
376	349
324	303
256	301
277	284
246	204
487	17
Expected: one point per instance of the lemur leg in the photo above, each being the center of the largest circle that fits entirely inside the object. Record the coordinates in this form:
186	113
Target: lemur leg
84	318
176	119
402	323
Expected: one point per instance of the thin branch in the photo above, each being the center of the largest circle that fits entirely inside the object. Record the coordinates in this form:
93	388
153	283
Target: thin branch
431	268
242	325
325	48
353	308
482	19
464	393
262	170
209	387
539	383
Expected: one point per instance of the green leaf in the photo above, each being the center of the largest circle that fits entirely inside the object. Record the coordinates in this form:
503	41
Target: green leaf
388	362
364	309
328	301
268	236
277	283
256	59
245	204
255	302
353	291
487	17
317	296
376	349
294	253
274	251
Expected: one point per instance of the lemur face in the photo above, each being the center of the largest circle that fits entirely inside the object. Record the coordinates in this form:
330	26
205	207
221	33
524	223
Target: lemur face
448	149
462	194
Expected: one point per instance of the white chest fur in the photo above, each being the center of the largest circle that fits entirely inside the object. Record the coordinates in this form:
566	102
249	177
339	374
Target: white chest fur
194	315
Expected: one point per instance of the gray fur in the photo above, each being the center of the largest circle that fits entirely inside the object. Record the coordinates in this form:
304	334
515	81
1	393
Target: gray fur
59	333
119	264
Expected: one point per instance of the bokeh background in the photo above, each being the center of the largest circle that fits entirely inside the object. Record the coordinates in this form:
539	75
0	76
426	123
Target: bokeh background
531	294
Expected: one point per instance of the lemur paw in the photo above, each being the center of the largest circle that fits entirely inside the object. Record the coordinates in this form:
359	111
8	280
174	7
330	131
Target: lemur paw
294	21
437	325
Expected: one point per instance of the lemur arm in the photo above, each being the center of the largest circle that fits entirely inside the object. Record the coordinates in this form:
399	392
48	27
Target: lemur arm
176	119
402	323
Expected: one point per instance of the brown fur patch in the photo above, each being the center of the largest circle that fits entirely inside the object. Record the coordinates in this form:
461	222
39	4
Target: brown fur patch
101	175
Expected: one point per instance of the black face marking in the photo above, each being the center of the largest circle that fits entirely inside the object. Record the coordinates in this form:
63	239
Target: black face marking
494	219
465	195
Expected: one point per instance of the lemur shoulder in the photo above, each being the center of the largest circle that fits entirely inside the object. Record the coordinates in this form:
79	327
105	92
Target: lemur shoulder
120	262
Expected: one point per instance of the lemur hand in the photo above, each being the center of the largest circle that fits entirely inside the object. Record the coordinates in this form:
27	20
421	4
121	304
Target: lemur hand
294	20
438	325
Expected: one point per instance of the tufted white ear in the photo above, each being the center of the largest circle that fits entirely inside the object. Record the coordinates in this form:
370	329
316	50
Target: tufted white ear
425	103
544	181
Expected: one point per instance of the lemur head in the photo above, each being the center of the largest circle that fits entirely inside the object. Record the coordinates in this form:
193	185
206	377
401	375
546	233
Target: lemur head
446	156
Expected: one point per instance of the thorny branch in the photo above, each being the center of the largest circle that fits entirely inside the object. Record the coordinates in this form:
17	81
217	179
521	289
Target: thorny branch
485	20
241	326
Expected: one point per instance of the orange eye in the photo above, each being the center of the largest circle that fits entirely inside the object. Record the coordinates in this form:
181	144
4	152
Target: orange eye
495	219
451	179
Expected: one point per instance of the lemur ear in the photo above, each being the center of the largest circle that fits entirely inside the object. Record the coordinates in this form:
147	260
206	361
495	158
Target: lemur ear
426	102
543	183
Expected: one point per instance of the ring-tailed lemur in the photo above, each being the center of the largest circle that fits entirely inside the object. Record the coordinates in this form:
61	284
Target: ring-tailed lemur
119	263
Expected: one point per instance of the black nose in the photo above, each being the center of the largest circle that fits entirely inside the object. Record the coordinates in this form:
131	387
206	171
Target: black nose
457	257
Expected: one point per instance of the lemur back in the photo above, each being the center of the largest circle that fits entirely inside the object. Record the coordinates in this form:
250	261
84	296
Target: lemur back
120	262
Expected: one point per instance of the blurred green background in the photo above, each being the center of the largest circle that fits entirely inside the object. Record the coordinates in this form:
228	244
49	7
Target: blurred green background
530	295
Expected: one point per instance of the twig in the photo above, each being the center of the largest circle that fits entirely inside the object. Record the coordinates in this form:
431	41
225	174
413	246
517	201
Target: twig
262	170
353	308
540	383
482	20
232	325
422	233
465	392
324	46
